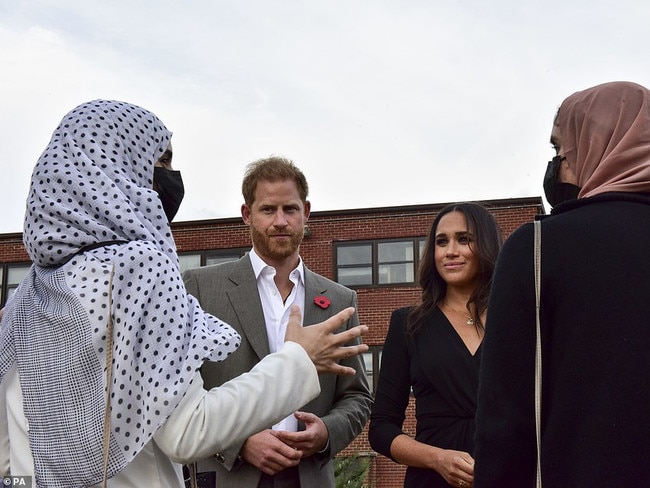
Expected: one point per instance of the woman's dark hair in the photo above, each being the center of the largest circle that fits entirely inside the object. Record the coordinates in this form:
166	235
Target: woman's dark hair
486	245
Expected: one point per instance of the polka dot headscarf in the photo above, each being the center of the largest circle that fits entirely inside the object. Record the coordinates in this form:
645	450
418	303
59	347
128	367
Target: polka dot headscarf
93	185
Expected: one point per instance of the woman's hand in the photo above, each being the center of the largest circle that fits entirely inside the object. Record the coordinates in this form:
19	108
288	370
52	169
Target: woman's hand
325	347
456	467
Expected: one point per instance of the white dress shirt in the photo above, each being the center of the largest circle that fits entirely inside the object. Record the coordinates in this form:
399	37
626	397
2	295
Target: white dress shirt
276	311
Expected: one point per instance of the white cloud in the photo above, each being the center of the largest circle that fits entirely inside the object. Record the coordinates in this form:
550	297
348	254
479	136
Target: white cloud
380	102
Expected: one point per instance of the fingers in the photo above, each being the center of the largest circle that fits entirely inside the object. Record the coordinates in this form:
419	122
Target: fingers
325	344
345	352
336	354
337	369
294	324
349	336
295	317
289	455
275	465
332	366
290	438
467	463
269	453
331	325
306	417
335	322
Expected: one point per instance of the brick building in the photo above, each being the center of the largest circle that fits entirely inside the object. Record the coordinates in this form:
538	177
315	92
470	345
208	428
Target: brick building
375	251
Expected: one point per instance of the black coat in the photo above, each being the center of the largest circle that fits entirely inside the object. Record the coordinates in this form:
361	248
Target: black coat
595	315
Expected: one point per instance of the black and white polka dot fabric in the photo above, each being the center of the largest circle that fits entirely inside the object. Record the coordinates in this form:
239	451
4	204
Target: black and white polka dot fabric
92	184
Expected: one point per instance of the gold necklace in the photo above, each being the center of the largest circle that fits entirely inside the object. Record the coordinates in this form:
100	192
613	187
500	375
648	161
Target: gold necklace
470	320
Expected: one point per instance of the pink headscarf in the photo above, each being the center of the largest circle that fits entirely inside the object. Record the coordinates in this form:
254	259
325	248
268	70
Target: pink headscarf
605	136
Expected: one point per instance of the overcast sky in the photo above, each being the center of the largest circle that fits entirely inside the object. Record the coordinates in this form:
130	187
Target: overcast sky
380	102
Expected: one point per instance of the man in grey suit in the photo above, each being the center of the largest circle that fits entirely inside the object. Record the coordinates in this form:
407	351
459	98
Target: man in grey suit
254	295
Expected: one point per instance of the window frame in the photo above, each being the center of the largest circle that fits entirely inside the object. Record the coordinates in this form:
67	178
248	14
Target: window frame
372	370
232	254
4	278
418	244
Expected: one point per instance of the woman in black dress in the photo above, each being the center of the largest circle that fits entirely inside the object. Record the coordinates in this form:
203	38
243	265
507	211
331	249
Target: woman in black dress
433	350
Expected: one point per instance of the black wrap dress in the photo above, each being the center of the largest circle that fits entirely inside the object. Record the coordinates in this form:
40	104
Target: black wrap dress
443	375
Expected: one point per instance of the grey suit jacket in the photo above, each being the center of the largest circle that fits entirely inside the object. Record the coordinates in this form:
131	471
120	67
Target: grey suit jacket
229	291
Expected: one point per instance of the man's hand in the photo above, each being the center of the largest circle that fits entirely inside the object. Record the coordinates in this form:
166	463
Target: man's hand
325	347
309	441
268	453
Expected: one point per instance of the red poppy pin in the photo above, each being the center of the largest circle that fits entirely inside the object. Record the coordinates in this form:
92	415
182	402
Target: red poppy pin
322	301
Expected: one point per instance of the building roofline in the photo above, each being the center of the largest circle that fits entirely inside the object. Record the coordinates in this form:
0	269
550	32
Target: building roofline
493	204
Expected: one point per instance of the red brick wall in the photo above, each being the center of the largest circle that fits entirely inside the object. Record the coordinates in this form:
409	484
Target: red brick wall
12	249
375	304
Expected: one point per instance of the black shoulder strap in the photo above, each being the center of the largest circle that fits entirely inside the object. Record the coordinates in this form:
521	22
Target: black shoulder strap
90	247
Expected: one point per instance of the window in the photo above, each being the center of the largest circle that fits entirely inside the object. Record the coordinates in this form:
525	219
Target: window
10	276
207	258
15	274
386	262
395	262
372	361
224	255
189	261
354	264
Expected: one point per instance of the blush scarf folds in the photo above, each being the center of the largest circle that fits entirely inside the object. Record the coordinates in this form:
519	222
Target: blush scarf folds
605	136
93	184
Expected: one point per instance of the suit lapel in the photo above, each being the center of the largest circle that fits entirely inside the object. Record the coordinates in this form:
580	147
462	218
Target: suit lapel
246	302
314	286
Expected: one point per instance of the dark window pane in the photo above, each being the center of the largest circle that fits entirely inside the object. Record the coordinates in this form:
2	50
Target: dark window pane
210	260
188	261
395	251
355	276
369	366
421	244
396	273
350	255
15	274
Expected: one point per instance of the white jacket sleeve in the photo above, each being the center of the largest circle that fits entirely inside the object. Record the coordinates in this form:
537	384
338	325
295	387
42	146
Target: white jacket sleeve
207	422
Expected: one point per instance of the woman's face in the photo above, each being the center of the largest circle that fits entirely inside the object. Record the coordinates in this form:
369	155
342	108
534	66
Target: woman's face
564	173
165	161
455	261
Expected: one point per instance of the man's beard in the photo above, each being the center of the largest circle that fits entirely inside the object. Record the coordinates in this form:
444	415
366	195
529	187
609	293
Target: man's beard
266	245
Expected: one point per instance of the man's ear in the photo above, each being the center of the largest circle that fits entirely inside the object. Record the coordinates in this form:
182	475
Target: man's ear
307	210
246	214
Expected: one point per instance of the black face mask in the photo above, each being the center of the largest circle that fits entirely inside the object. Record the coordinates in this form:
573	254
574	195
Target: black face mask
555	191
169	186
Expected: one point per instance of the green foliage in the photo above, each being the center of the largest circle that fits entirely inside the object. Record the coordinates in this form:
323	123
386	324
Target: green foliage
351	471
